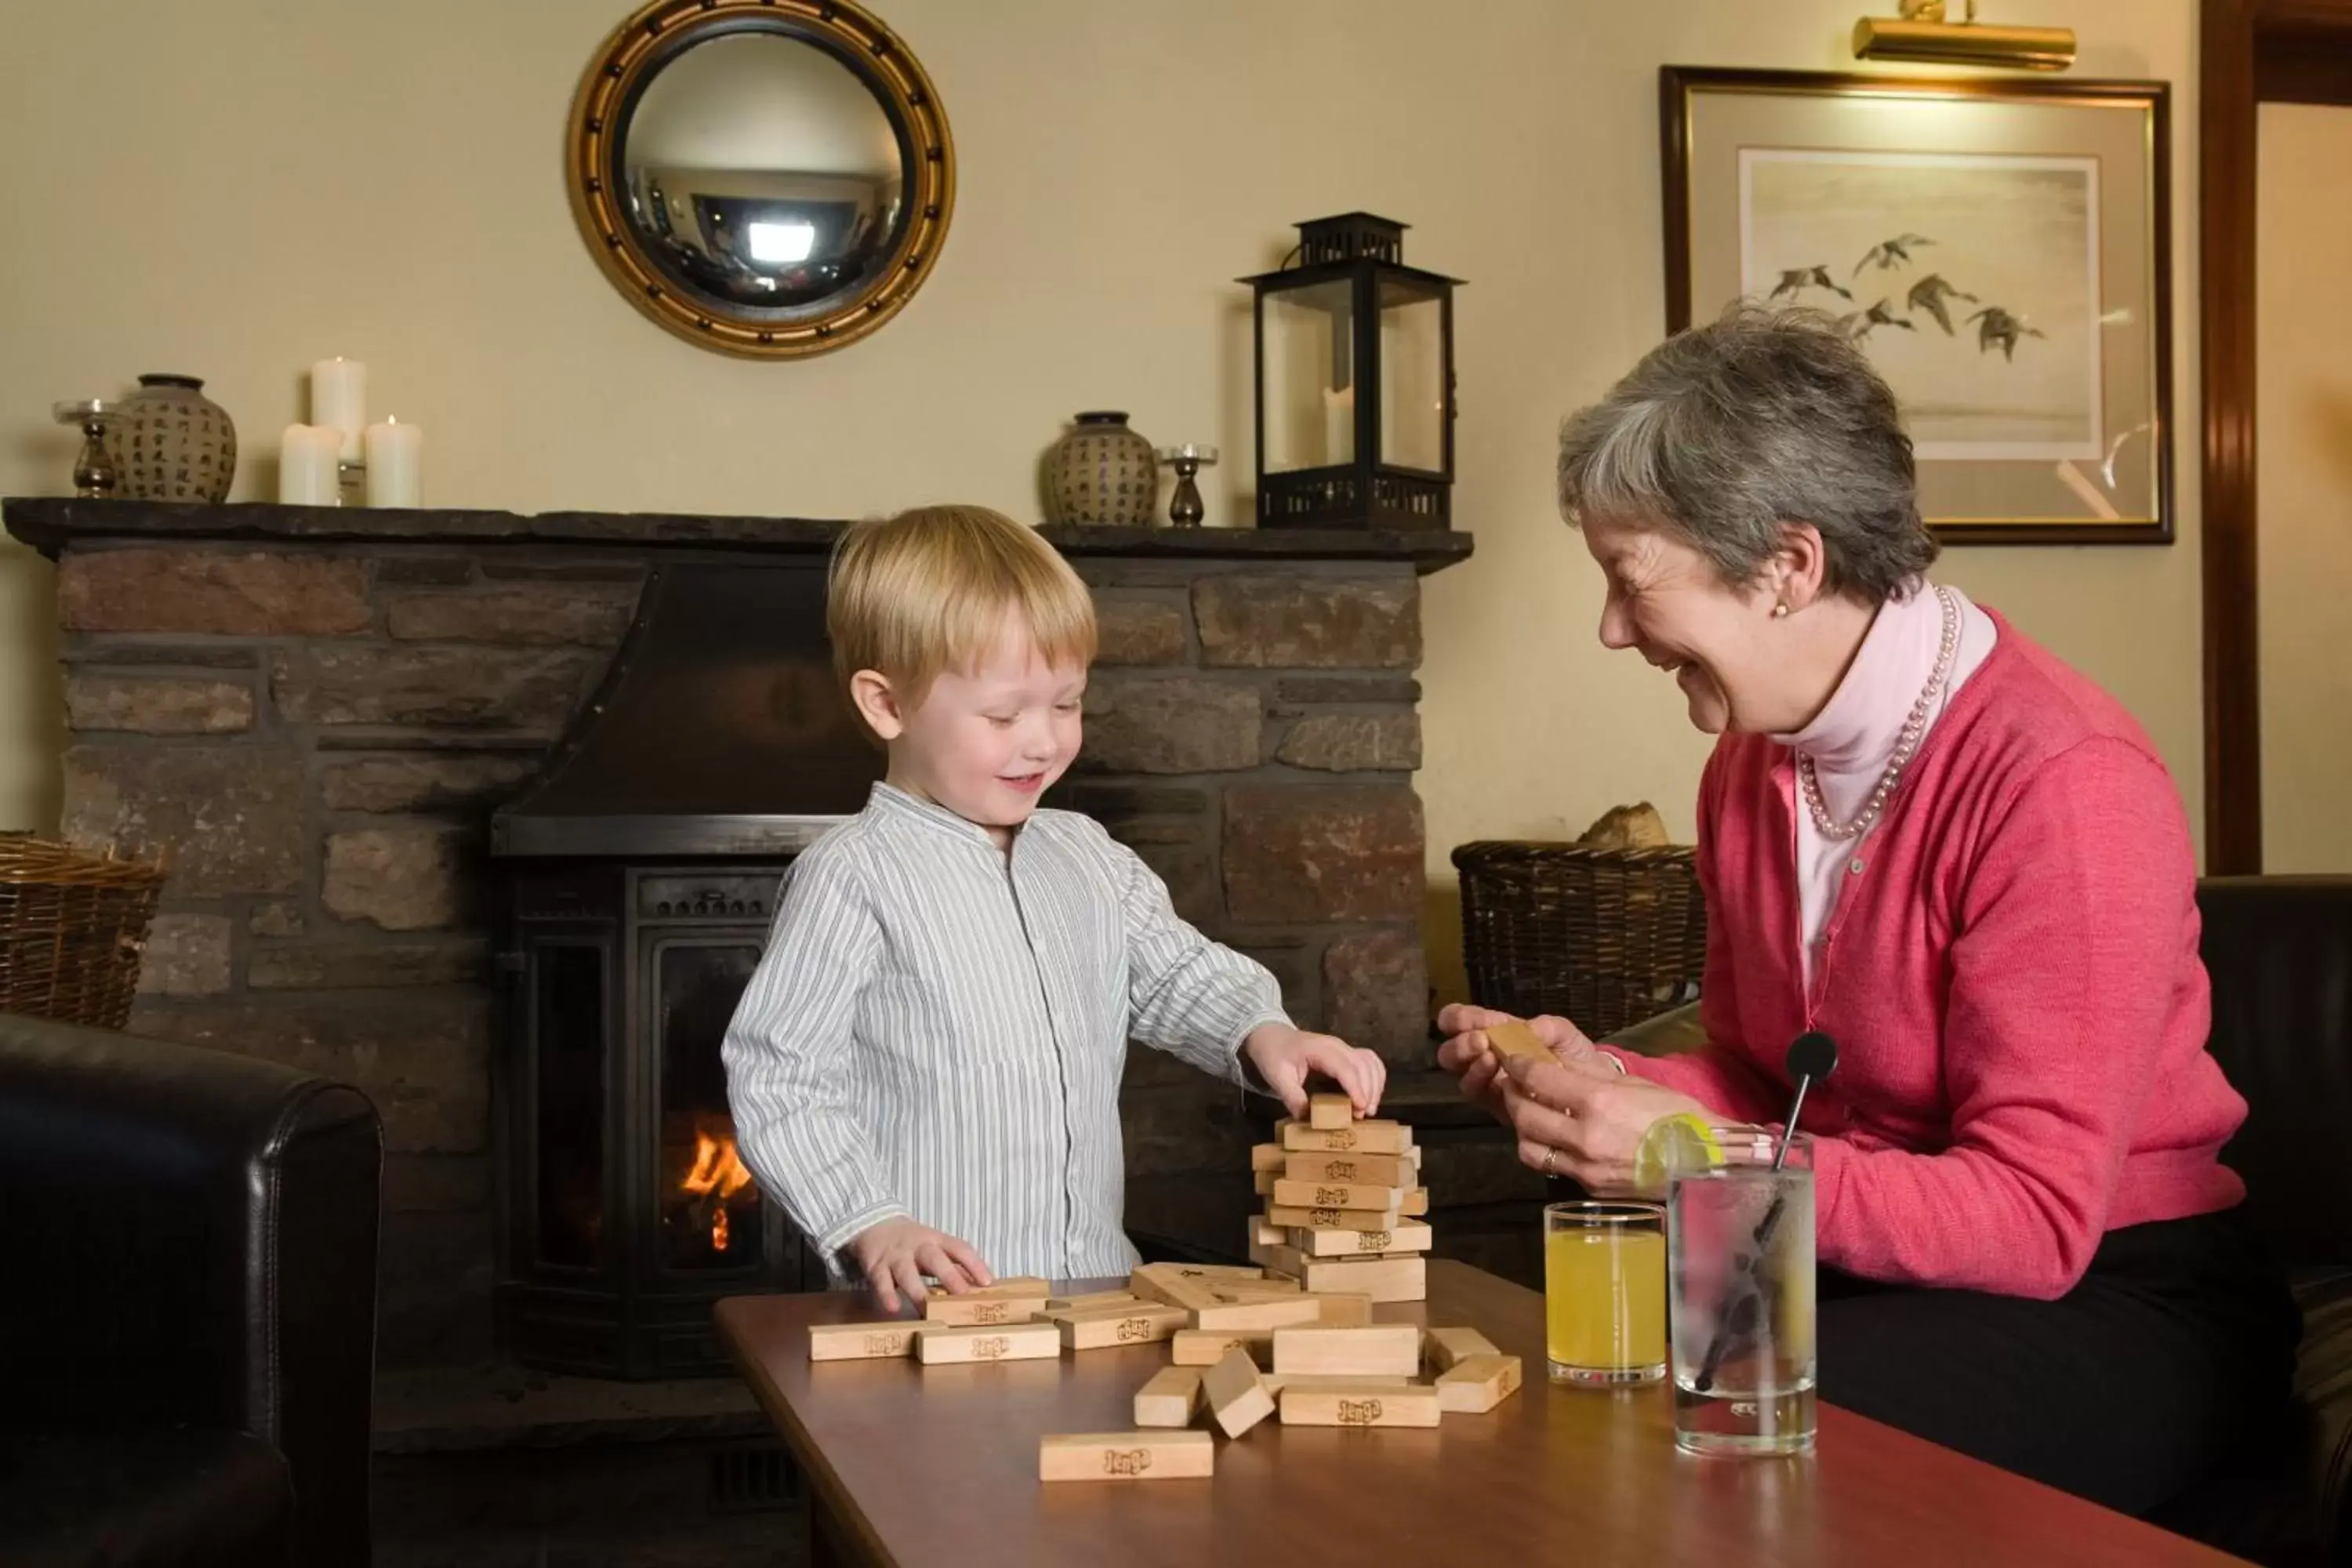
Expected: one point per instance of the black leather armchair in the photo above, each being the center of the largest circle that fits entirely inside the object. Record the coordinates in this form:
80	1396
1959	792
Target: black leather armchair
187	1305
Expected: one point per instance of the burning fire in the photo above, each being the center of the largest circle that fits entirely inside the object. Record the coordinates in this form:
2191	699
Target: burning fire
718	1175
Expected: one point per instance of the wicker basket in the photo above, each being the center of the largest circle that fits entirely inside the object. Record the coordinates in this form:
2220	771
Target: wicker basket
72	924
1603	937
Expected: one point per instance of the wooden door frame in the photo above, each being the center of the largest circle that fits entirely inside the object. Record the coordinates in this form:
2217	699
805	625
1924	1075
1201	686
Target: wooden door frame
2252	52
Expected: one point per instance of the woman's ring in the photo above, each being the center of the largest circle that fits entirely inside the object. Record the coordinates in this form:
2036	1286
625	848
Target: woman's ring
1549	1155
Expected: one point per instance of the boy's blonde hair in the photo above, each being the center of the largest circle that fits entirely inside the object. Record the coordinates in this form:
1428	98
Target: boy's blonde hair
932	589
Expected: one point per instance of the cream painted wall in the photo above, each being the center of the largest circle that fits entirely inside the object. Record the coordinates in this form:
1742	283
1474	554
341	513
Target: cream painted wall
237	188
2303	402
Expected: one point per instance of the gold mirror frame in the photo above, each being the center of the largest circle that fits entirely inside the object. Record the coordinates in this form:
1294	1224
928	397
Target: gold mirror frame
655	34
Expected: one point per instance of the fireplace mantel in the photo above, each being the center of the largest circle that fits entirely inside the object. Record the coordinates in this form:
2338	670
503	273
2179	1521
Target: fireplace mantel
52	524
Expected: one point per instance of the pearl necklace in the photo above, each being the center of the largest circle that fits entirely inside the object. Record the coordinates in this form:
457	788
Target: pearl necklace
1913	728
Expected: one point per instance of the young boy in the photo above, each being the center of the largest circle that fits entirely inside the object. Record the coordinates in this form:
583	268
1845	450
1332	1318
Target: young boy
925	1067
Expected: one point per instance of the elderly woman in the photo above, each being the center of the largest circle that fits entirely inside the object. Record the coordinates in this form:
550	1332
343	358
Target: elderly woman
1926	837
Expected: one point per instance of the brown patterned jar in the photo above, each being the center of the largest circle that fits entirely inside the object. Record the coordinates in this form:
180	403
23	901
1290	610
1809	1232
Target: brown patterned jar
173	442
1103	473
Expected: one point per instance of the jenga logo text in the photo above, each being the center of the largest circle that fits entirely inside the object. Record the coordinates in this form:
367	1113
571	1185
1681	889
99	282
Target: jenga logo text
1331	1197
1323	1217
1339	1170
1125	1461
991	1311
1359	1412
1191	1274
1371	1241
992	1347
886	1344
1343	1138
1133	1329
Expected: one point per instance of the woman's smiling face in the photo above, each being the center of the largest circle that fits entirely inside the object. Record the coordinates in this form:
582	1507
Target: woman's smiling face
1669	603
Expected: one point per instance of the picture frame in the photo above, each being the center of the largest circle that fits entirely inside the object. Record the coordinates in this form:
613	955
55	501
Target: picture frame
2001	247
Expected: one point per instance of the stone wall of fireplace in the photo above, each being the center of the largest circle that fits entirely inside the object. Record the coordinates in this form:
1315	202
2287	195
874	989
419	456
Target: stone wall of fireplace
318	728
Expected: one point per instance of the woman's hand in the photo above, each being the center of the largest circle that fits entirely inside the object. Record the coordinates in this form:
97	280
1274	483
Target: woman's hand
1467	1057
1283	1057
1581	1117
896	1254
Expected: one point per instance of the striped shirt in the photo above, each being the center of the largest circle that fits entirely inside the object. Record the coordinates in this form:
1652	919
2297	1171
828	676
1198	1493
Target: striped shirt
938	1029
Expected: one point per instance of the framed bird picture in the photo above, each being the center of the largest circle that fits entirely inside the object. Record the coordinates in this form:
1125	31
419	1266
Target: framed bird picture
1999	247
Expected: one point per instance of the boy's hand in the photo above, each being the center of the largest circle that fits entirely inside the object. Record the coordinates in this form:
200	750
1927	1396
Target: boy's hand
896	1254
1285	1056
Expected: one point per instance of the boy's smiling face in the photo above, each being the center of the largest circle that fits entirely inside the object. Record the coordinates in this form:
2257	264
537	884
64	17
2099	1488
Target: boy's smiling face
984	742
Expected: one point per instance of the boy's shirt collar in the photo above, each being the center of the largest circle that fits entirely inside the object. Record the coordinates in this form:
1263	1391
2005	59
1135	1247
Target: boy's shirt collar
895	802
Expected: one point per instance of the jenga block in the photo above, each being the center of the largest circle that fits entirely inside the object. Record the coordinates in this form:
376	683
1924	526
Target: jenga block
1277	1382
1448	1347
964	1312
1343	1309
1266	1156
1262	1182
1381	1170
860	1341
1360	1403
1385	1280
1168	1290
1235	1398
1127	1456
1405	1236
1256	1289
1168	1398
1363	1137
1291	1217
1021	1286
1206	1347
1326	1113
1145	1323
1415	1204
1515	1039
1091	1299
1265	1232
1281	1259
1376	1350
1339	1196
938	1344
1477	1384
1274	1313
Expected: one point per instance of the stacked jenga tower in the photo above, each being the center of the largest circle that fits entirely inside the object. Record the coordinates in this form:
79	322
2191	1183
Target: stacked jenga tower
1344	1202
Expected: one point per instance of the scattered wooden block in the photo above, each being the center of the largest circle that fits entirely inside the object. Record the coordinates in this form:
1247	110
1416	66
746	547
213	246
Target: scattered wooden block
1091	1299
1447	1348
1145	1323
1169	1397
1328	1112
1356	1402
1206	1347
1275	1382
1257	1290
964	1312
1235	1398
1272	1312
1515	1039
1148	1283
860	1341
1344	1309
1384	1279
938	1344
1363	1137
1021	1286
1477	1384
1266	1156
1366	1195
1292	1217
1127	1456
1381	1170
1280	1258
1376	1350
1404	1237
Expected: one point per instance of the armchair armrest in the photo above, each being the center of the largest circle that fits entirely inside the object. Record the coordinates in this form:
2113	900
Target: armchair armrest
1668	1033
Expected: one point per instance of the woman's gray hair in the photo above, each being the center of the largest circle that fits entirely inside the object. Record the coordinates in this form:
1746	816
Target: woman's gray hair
1725	433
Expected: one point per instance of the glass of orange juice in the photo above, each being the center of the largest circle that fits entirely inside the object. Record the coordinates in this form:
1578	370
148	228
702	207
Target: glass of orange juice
1605	1293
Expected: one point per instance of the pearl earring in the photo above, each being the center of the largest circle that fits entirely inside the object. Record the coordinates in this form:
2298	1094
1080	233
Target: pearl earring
1781	611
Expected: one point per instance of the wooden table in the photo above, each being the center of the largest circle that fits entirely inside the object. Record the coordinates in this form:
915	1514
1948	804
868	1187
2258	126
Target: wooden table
919	1466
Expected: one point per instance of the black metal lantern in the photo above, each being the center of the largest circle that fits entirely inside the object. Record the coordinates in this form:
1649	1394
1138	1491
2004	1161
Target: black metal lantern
1355	382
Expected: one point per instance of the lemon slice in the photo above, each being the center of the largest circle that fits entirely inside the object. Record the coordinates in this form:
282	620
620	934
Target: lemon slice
1681	1141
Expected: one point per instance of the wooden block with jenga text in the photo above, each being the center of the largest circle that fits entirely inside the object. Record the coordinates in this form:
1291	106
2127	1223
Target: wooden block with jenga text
1235	1398
1447	1348
1291	1217
1476	1385
1277	1382
1359	1403
1145	1323
1127	1456
1086	1303
1376	1350
1405	1235
1164	1283
1020	1286
860	1341
1381	1170
938	1344
1383	1279
1327	1111
1366	1195
1206	1347
967	1311
1362	1137
1272	1312
1515	1039
1168	1398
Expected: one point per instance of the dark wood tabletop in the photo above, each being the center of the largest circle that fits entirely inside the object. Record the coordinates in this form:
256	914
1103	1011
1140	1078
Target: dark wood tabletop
921	1466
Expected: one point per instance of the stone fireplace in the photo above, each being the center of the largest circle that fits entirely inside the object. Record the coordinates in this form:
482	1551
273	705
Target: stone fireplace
321	709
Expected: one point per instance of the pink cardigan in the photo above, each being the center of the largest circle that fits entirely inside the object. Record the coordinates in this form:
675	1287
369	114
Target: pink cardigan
2010	974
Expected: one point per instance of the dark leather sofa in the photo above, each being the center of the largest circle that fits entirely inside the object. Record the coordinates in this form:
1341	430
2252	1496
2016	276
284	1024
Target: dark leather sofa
187	1305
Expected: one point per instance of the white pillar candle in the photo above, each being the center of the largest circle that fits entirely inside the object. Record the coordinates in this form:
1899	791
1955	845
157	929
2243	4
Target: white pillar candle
306	466
394	464
339	398
1339	425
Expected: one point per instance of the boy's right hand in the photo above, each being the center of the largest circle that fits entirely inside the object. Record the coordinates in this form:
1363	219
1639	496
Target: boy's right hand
896	1254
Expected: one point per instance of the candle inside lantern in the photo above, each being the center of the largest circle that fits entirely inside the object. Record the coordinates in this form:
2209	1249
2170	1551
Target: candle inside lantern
394	455
1339	426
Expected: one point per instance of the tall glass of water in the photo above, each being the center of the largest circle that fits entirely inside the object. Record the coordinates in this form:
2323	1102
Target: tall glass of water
1739	1248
